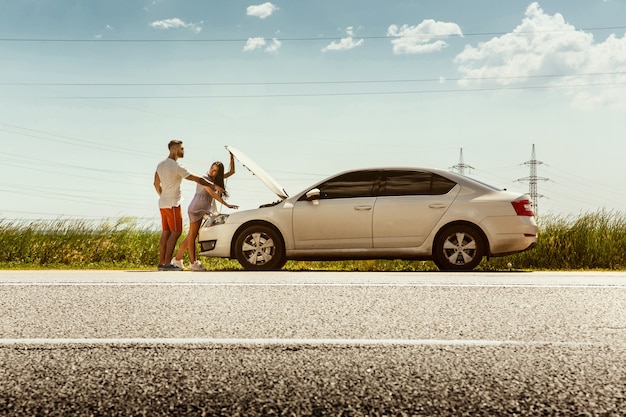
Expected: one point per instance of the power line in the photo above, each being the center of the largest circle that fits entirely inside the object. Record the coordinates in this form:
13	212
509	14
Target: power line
337	94
332	82
28	163
65	216
69	140
302	39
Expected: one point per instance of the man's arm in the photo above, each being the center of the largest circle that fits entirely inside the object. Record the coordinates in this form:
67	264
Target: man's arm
157	183
203	182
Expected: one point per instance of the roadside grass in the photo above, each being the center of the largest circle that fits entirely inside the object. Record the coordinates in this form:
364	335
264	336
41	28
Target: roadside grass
77	244
590	241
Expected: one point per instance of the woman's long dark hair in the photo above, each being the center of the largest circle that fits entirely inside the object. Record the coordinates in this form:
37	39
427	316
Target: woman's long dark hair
219	178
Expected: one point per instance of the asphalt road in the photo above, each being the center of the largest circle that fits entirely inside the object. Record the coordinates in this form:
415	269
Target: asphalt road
313	343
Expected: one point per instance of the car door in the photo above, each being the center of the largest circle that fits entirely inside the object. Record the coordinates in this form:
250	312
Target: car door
409	205
341	216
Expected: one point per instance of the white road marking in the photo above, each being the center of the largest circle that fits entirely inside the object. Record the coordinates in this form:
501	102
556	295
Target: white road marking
296	284
289	342
569	279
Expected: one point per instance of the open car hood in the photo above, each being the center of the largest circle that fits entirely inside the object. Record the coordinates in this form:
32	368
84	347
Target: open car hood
258	172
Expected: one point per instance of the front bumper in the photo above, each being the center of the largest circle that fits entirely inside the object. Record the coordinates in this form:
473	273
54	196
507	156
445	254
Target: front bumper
215	240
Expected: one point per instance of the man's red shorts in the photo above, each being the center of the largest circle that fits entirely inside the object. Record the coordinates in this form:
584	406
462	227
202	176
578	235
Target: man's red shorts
172	219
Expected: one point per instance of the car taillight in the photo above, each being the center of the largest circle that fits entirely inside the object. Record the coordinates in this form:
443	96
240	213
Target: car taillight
523	207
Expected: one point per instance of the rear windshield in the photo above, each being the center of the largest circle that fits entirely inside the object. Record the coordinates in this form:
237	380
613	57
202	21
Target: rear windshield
493	187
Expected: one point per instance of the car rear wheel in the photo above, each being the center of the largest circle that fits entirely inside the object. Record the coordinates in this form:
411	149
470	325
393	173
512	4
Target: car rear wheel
260	248
459	248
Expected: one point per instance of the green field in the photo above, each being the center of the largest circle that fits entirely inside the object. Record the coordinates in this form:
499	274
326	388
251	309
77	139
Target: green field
588	241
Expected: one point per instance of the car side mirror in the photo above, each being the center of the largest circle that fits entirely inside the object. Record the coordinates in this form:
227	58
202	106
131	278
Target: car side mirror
313	195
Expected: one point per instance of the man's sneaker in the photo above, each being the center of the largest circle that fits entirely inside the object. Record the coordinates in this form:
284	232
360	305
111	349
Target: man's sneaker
197	266
170	267
179	263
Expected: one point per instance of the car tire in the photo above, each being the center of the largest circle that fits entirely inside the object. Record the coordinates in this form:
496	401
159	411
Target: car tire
459	248
260	248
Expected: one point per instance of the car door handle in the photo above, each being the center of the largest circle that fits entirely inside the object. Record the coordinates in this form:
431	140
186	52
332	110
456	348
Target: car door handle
363	208
437	205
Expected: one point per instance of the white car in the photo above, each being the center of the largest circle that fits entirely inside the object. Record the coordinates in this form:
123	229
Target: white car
376	213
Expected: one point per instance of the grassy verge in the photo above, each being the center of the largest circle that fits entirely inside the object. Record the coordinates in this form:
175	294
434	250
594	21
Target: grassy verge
589	241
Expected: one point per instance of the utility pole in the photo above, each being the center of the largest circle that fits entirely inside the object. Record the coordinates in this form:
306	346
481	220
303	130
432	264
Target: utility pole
460	167
532	181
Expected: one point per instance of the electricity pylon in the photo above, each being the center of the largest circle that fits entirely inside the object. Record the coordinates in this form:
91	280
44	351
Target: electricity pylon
532	181
460	167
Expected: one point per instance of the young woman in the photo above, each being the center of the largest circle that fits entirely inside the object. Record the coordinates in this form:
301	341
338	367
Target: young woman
201	205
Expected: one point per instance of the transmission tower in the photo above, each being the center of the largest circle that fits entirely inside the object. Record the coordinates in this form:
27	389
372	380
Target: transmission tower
460	167
532	181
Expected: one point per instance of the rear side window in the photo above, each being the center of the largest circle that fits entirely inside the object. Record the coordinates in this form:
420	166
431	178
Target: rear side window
406	182
351	184
441	185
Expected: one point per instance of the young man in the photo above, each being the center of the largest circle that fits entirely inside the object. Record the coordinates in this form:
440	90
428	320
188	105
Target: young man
167	182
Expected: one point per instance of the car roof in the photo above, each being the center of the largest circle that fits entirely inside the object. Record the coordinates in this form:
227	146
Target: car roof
458	178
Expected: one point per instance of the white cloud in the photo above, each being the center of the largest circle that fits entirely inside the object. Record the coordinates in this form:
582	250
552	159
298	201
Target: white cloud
176	23
544	45
274	46
260	43
254	43
261	10
423	38
344	43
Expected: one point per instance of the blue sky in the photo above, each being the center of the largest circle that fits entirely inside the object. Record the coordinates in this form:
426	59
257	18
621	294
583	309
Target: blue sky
92	91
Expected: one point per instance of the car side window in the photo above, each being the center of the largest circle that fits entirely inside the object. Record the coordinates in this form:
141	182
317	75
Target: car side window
351	184
408	182
441	185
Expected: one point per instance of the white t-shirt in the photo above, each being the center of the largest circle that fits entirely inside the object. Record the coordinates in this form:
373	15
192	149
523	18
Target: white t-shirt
171	174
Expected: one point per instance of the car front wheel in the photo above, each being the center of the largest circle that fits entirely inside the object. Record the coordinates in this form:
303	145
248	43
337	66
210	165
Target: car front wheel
459	248
260	248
